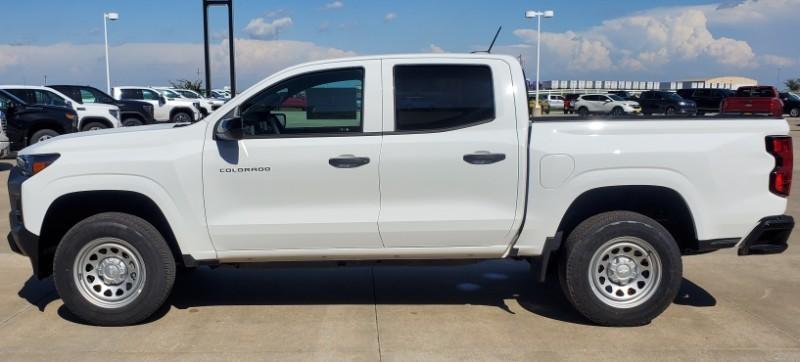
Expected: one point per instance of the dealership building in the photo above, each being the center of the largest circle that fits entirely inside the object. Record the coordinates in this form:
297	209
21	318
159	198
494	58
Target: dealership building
727	82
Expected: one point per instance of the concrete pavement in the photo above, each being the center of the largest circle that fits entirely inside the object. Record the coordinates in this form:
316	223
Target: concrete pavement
731	308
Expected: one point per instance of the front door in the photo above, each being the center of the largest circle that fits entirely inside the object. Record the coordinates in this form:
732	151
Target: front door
305	174
160	109
449	160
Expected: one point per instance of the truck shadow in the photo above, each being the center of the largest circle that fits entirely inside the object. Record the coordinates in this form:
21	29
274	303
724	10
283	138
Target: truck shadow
508	285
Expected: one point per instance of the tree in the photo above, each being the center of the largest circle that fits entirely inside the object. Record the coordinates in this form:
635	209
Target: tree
196	86
793	84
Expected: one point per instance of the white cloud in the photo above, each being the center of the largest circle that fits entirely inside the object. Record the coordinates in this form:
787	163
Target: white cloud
259	28
436	49
572	49
334	5
390	16
770	59
135	63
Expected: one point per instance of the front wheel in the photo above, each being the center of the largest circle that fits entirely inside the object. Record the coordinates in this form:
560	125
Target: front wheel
131	122
620	268
93	126
617	111
42	135
583	112
113	269
794	112
181	117
669	111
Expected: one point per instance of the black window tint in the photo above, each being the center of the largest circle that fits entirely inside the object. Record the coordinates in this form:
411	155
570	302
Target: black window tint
149	95
130	94
430	97
321	102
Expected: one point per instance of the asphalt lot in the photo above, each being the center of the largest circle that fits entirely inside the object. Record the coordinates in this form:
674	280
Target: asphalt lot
730	307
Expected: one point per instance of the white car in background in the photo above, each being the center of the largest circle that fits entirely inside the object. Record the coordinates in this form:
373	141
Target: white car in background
555	101
91	116
605	104
165	109
207	105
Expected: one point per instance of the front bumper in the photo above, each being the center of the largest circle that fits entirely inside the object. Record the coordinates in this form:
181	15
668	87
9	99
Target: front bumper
770	236
20	240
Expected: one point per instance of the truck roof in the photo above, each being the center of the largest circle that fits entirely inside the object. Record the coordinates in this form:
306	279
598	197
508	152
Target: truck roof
503	57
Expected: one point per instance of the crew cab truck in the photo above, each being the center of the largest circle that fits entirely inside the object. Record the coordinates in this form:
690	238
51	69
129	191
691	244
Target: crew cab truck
164	110
399	157
27	124
754	100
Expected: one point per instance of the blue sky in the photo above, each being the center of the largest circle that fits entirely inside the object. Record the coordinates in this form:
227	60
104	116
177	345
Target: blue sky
159	40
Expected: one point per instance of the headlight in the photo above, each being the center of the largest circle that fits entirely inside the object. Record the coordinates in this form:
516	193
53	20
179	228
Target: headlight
70	116
114	113
196	105
33	164
682	103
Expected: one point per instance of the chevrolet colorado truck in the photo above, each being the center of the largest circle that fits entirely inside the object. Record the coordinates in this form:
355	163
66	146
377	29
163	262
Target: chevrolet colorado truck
399	158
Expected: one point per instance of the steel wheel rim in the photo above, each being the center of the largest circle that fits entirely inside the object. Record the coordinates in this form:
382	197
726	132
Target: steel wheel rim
625	272
794	112
109	272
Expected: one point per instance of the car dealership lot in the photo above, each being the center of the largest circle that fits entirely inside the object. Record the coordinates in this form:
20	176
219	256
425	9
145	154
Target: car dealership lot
736	308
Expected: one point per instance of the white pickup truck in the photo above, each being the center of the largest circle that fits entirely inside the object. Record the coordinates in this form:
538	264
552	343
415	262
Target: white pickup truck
405	157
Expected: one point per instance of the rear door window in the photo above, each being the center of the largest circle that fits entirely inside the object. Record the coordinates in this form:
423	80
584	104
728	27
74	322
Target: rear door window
131	94
439	97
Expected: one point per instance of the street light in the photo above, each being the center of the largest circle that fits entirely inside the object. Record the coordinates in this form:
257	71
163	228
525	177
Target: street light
106	18
537	111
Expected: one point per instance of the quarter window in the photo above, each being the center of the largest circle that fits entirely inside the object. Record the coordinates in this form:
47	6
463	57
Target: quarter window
316	103
436	97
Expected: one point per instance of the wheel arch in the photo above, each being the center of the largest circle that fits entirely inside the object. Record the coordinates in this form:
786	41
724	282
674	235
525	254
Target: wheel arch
181	109
660	203
69	209
86	120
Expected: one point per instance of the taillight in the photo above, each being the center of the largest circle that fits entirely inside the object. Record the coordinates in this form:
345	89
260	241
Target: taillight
780	179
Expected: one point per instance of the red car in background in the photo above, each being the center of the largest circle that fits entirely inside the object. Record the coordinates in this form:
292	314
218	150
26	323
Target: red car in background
754	99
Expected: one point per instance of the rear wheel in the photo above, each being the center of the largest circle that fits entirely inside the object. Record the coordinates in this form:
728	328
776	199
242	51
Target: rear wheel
620	268
93	126
794	112
113	269
42	135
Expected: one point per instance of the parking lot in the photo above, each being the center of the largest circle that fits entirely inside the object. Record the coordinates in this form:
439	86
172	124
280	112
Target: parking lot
729	307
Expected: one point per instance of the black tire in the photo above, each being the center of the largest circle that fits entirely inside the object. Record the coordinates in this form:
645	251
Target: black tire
181	116
617	111
597	232
669	111
94	126
42	135
144	238
131	122
794	112
583	112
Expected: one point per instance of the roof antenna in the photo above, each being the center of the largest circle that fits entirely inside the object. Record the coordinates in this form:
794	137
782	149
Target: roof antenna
490	45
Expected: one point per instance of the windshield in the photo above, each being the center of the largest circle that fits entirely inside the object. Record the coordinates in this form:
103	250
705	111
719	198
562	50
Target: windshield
169	93
615	97
188	94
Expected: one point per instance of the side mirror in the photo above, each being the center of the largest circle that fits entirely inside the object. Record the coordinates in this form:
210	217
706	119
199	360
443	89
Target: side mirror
229	129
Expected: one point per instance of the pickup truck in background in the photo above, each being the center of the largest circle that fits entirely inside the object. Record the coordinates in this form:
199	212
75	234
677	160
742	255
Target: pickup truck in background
754	100
164	110
90	116
708	100
27	124
399	157
132	113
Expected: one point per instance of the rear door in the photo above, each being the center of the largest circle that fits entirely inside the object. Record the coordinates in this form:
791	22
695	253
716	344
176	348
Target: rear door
449	159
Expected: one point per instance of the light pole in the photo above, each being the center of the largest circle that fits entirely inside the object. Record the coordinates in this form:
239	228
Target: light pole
106	18
537	110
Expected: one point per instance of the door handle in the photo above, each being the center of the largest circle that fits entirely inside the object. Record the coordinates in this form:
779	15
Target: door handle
348	161
484	157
